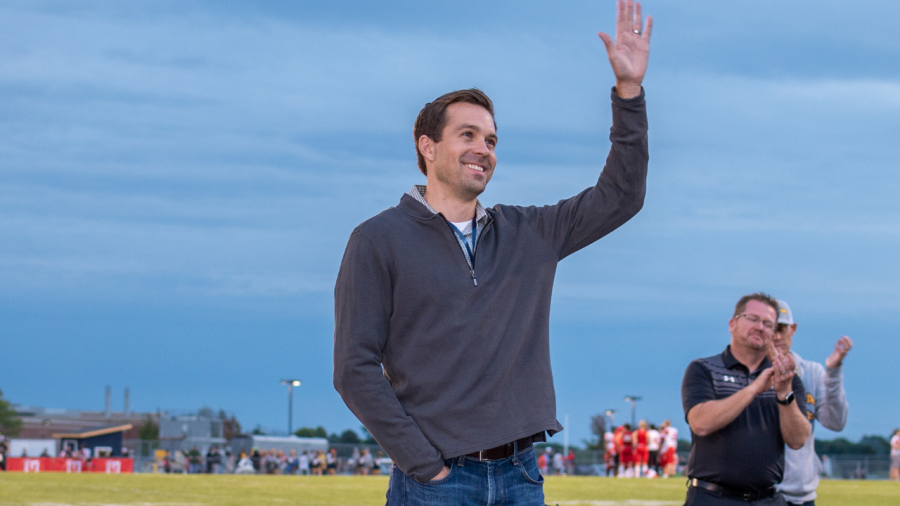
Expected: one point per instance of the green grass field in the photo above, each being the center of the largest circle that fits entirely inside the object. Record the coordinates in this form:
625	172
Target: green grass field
196	490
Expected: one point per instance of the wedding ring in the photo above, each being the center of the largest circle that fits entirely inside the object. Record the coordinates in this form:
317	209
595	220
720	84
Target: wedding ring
783	371
637	31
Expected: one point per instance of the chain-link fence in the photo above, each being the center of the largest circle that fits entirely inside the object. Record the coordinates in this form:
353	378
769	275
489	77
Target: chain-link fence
587	462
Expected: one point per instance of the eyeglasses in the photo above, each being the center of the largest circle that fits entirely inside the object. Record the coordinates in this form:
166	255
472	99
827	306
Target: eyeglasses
753	319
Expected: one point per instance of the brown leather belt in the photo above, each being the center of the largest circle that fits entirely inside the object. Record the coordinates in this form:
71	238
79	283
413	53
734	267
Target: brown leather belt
733	493
505	451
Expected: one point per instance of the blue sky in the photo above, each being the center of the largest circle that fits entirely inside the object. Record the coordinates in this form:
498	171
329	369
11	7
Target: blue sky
178	181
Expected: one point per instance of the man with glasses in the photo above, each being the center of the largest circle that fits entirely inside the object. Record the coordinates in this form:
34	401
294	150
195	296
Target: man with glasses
743	406
826	402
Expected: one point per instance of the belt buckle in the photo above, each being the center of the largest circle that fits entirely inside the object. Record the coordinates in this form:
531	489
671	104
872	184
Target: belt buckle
749	495
480	455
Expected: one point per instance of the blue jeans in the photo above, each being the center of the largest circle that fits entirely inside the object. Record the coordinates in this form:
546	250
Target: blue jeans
514	481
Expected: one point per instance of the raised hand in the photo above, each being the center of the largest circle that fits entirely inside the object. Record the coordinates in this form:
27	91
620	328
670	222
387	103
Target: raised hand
782	372
840	351
629	53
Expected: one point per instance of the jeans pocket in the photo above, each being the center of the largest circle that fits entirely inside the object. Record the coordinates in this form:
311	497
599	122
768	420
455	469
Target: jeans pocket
529	468
433	483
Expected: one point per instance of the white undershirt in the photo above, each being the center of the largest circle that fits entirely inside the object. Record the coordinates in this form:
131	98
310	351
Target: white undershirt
461	225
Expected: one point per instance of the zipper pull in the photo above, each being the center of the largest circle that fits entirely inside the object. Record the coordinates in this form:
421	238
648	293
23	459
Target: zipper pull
474	281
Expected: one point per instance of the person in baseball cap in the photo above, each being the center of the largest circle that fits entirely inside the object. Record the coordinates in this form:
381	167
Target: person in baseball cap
826	402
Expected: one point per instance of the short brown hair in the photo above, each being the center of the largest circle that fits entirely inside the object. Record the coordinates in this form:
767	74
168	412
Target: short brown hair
433	117
765	298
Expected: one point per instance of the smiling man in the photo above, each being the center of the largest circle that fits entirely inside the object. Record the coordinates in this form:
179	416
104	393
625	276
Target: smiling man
442	306
743	406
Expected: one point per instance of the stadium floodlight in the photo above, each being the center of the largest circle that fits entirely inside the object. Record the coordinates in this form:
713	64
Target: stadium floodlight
291	383
633	400
611	414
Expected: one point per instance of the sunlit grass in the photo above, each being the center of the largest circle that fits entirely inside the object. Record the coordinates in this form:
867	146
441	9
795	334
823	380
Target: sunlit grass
200	490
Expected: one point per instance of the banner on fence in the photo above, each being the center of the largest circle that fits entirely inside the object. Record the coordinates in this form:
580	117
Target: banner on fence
63	465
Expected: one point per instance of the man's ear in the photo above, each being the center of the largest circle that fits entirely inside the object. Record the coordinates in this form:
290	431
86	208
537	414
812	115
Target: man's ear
427	148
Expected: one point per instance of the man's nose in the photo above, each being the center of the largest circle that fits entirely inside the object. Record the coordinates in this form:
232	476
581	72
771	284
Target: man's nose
481	148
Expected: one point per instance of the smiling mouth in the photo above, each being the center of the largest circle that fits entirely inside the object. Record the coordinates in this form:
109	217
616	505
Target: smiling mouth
472	166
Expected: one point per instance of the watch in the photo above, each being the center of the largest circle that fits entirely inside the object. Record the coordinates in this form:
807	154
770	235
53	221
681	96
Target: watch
789	398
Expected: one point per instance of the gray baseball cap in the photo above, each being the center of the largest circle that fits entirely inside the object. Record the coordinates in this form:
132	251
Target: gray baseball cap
784	313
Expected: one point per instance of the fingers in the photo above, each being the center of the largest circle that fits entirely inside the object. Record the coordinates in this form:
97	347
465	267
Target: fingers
608	42
636	17
648	27
623	17
764	381
844	344
772	351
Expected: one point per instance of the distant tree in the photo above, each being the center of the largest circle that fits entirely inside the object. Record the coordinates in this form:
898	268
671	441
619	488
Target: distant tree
223	415
367	437
542	447
868	445
349	437
598	428
258	430
879	444
310	432
149	431
205	412
230	428
683	445
10	423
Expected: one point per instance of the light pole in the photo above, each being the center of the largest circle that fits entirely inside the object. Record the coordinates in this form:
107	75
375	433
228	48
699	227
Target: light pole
291	383
611	414
633	400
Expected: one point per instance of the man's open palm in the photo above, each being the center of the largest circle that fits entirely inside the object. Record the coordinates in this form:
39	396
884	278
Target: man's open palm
629	53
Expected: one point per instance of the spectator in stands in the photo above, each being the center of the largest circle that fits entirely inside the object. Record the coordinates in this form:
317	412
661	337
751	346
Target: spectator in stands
365	462
256	459
195	461
570	463
353	461
376	467
292	463
826	467
280	462
895	456
304	463
331	462
271	462
180	462
318	463
213	460
4	449
245	465
229	461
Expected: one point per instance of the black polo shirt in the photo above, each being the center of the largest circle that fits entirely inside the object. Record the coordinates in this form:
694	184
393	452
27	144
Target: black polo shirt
748	453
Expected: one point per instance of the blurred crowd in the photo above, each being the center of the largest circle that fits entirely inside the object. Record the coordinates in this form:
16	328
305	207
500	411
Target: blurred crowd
272	461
